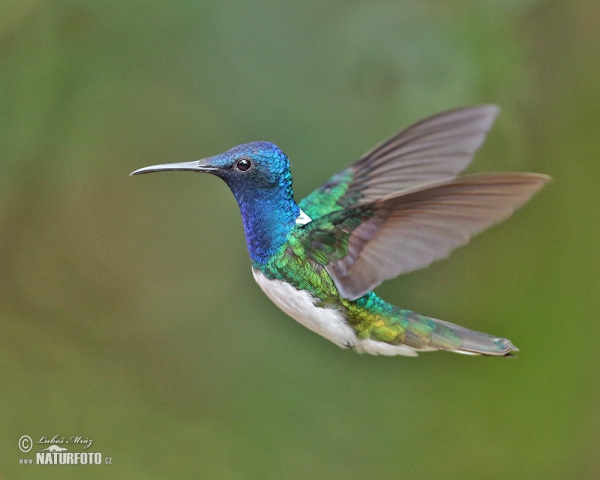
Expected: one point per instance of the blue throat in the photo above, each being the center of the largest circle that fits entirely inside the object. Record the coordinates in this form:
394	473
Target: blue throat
269	215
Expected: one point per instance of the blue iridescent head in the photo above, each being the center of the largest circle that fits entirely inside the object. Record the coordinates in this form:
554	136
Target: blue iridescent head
252	168
259	176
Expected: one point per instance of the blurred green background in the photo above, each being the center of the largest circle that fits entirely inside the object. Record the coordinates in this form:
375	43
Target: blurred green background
128	312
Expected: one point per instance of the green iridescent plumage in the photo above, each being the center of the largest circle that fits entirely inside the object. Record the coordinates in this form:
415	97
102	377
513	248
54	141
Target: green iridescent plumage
325	199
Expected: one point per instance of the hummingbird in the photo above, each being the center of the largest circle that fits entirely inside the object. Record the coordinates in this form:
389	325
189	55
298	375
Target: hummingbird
398	208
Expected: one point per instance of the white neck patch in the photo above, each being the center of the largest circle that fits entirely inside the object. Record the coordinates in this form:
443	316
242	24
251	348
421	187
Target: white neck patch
303	219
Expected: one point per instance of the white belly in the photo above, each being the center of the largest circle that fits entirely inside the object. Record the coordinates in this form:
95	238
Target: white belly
300	305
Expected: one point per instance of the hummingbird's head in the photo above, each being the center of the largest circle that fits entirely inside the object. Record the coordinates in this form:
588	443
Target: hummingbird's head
255	166
252	166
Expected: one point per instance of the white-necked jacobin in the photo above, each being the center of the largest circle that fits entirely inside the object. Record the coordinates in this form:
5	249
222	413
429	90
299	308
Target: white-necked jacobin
398	208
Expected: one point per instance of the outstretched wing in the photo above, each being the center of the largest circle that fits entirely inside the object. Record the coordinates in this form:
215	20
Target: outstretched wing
364	245
436	148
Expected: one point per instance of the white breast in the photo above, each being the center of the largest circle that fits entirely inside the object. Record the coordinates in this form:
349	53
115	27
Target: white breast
300	305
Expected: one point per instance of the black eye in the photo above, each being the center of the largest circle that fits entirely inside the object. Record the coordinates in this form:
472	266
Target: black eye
243	164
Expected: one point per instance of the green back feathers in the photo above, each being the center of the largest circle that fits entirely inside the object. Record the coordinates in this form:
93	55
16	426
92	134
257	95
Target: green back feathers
330	197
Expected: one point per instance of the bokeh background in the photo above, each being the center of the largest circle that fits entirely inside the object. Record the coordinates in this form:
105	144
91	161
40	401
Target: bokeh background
128	313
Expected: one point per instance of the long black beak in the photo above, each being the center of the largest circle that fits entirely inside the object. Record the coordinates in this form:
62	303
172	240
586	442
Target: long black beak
197	166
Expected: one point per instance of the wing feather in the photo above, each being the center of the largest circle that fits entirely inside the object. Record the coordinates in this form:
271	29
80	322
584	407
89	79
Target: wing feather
435	148
370	243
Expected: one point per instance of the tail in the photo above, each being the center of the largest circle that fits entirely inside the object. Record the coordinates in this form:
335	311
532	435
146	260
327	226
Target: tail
417	333
470	341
